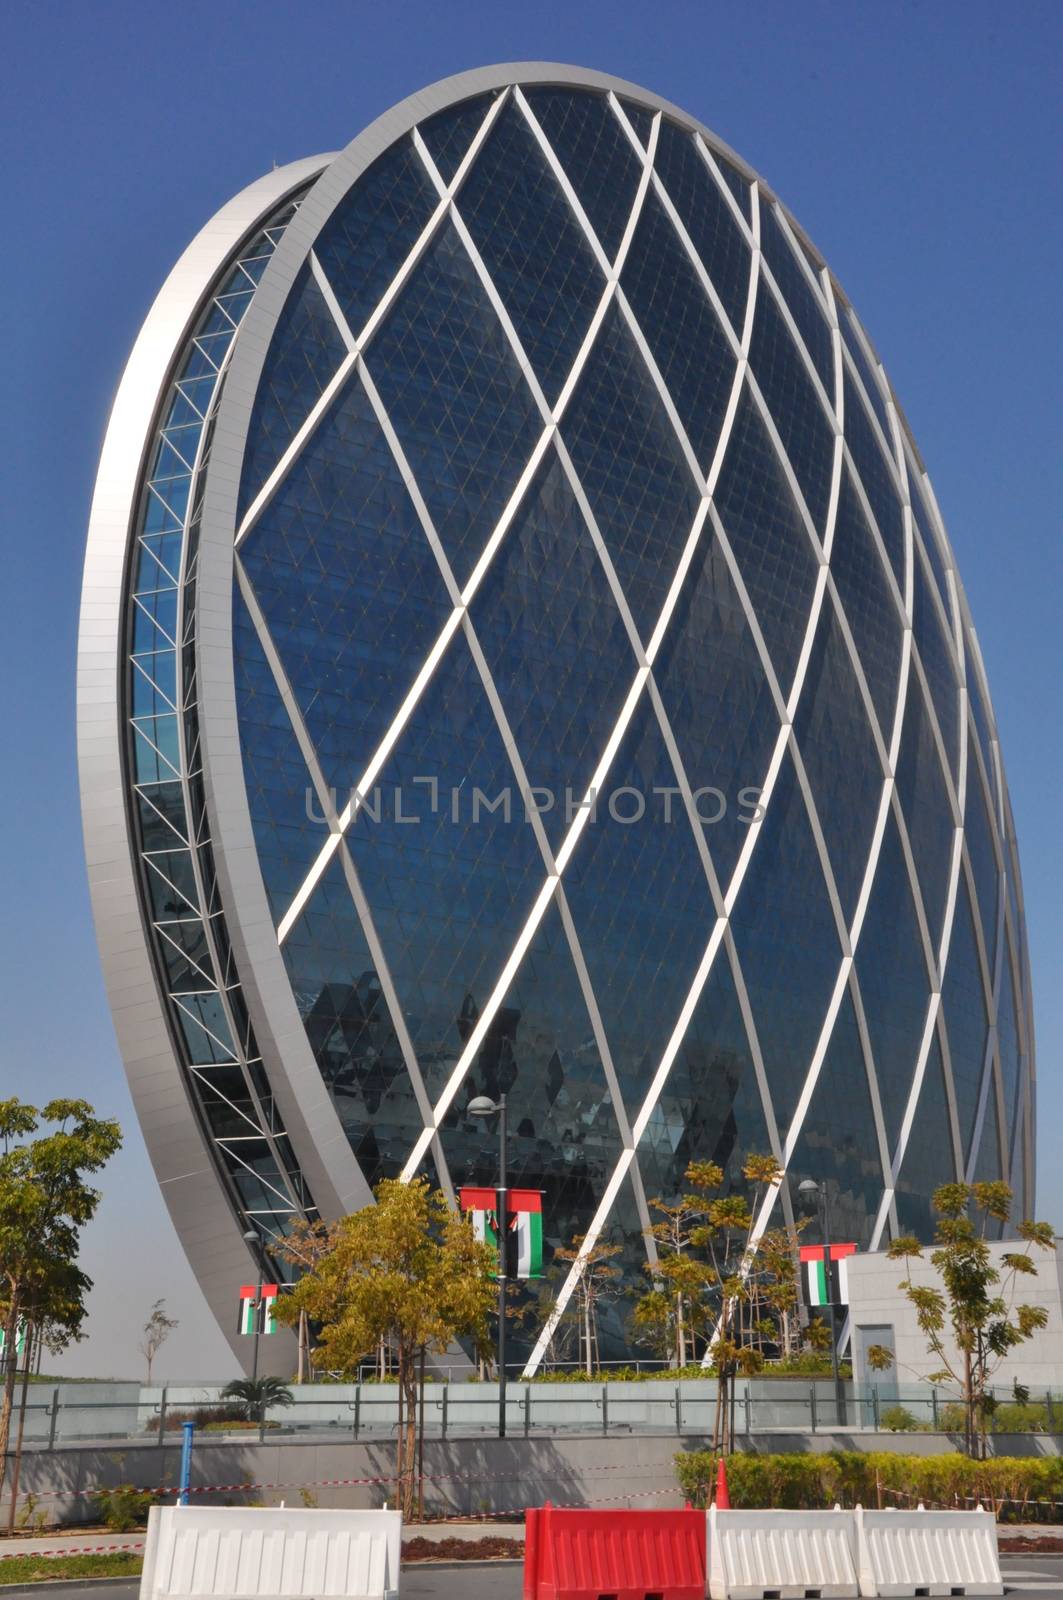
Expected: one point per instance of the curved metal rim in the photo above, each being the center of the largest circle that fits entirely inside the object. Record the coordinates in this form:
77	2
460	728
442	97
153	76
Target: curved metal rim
195	1195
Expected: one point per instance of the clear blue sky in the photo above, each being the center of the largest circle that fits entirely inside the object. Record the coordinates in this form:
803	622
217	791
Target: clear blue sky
917	143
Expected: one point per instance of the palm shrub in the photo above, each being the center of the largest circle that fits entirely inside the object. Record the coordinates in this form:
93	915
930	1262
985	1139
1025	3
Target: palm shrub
256	1395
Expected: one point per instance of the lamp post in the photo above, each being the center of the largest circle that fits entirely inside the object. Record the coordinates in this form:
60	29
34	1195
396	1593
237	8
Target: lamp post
483	1106
816	1194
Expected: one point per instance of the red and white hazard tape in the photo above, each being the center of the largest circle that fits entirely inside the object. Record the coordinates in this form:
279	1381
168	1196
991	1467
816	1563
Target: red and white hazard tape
70	1550
323	1483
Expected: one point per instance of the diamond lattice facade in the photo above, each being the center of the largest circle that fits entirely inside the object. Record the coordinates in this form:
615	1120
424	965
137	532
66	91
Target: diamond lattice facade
541	668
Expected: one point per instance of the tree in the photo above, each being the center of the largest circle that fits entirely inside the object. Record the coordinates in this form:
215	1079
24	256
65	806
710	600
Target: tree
305	1244
599	1281
157	1330
971	1323
44	1203
675	1312
257	1394
407	1271
714	1284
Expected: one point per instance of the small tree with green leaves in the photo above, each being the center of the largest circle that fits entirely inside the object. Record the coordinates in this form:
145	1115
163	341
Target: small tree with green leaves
45	1201
971	1322
407	1271
676	1311
599	1282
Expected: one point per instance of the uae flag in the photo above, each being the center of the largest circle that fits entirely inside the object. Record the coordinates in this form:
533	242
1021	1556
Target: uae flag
524	1227
826	1283
257	1315
20	1340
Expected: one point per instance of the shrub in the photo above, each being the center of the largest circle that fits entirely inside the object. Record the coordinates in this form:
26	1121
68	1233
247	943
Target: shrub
1015	1486
895	1419
203	1416
124	1507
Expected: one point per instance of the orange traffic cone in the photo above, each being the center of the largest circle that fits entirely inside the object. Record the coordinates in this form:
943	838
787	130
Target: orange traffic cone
723	1499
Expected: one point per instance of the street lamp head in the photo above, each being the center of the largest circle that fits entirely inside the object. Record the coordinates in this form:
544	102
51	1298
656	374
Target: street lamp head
251	1237
808	1186
482	1106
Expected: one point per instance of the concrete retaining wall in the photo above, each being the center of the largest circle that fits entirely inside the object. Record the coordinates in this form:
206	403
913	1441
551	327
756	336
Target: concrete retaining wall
468	1476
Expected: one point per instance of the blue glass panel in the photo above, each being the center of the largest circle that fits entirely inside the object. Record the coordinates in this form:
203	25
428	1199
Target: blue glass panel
456	398
787	941
738	185
1019	1207
640	119
894	986
640	901
541	1053
680	327
863	367
939	666
303	356
877	477
632	469
707	218
554	642
373	229
805	306
964	1010
979	833
987	1167
1008	1035
927	810
837	1145
868	603
451	890
279	791
449	133
769	538
928	1157
161	809
349	586
596	154
926	526
153	684
806	435
843	767
154	618
350	1029
710	1108
718	702
982	723
533	247
154	761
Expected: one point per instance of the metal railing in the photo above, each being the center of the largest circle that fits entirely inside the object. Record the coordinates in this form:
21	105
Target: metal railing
64	1416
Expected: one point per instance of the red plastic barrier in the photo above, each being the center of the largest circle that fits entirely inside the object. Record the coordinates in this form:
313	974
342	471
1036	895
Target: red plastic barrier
613	1555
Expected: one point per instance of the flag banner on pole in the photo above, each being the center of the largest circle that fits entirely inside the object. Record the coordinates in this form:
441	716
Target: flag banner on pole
524	1230
257	1314
246	1321
269	1300
814	1281
20	1340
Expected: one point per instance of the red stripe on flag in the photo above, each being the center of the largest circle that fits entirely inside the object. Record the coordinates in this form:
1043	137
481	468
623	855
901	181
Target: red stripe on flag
524	1200
478	1199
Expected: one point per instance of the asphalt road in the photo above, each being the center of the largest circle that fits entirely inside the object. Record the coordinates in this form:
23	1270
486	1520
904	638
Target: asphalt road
1037	1576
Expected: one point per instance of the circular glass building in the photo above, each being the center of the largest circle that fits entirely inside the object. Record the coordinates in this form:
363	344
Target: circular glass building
521	653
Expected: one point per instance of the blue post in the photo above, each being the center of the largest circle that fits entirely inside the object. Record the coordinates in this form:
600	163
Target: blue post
187	1430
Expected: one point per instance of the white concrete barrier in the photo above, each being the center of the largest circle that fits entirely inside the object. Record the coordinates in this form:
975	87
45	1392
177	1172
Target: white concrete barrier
781	1555
927	1553
272	1553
